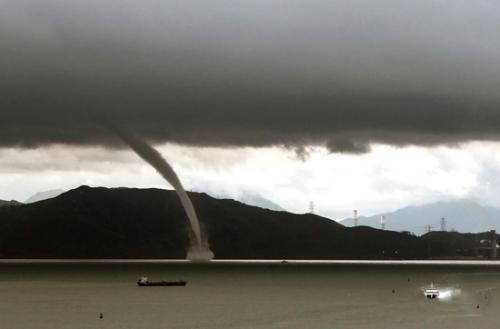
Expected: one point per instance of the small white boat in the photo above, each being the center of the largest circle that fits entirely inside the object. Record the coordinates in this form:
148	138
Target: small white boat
431	292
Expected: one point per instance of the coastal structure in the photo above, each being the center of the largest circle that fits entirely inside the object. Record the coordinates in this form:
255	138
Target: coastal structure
493	244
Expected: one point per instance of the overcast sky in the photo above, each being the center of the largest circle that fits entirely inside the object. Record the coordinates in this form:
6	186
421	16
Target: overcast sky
363	104
384	179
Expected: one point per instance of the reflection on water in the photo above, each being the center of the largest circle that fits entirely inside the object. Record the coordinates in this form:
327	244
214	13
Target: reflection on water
258	295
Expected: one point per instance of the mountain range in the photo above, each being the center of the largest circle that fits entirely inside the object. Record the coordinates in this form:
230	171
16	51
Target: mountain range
151	224
246	197
462	215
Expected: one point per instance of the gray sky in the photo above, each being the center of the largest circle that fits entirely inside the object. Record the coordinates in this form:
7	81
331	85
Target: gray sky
337	76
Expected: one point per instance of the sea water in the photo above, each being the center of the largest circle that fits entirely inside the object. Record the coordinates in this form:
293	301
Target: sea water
256	295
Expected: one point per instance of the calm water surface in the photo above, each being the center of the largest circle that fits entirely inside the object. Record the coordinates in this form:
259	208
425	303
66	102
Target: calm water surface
241	295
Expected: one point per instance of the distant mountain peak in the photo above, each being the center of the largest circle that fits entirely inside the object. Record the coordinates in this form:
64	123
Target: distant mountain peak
252	199
39	196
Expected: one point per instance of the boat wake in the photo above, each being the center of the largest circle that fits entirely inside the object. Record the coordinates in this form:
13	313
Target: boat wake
446	294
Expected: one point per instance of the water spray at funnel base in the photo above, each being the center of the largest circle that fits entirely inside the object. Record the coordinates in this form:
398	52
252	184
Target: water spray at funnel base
199	249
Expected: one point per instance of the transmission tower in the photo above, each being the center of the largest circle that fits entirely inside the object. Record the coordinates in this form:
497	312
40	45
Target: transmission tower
443	224
428	228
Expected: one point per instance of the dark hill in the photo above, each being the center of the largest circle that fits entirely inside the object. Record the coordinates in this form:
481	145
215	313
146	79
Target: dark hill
4	203
150	223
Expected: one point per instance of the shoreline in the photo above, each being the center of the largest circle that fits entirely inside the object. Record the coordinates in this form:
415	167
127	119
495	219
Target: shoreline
283	262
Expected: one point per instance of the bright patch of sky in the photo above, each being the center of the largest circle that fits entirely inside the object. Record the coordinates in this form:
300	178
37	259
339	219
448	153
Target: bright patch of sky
383	180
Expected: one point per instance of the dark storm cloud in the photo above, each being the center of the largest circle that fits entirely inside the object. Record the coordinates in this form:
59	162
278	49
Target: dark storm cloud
347	145
340	73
